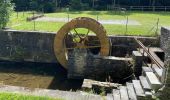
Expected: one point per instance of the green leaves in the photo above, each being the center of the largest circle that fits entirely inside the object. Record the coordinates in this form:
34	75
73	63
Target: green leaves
6	8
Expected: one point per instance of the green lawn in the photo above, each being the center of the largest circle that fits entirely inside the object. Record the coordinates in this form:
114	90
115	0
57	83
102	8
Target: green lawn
146	19
10	96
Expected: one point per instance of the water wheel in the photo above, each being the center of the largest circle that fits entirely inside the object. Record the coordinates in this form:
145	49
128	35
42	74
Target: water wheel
74	34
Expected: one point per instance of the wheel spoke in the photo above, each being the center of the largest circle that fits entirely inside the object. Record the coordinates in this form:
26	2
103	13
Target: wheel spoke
72	36
77	33
87	34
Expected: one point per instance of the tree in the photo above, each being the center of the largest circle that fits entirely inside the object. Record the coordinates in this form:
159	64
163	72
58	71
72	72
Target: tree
21	5
153	3
6	8
76	4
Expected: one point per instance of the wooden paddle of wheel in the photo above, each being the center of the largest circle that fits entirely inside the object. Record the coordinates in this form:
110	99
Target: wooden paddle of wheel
77	40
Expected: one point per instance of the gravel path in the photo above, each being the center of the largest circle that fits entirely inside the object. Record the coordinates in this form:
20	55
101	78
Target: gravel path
114	22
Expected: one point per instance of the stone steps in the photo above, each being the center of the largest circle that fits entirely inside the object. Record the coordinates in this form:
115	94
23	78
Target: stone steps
116	94
145	83
146	69
153	80
138	88
109	97
159	72
131	91
148	82
123	93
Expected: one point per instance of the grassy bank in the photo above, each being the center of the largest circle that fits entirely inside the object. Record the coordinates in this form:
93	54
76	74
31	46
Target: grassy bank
11	96
146	19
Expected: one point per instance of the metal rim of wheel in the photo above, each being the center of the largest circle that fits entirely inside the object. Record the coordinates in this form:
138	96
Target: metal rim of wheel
60	49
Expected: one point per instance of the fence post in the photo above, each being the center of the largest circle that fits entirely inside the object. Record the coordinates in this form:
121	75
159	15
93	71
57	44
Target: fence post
127	21
131	8
157	27
142	8
34	21
68	16
153	8
23	13
97	17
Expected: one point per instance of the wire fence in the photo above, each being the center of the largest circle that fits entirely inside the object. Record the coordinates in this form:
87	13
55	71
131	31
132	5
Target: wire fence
139	8
30	21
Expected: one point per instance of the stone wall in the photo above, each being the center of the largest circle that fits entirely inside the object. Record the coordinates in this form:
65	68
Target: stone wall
165	42
83	64
27	46
38	46
165	45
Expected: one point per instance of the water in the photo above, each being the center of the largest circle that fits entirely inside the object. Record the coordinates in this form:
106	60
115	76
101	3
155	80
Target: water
42	75
37	75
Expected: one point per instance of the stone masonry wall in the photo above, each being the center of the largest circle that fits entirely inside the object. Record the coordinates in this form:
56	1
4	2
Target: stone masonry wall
83	64
38	46
27	46
165	42
165	45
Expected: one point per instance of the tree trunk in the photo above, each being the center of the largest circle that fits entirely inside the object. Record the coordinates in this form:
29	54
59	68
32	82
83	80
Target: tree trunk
114	2
153	3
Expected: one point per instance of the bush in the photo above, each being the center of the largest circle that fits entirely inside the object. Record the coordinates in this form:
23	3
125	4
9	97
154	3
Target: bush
85	6
76	5
49	7
6	8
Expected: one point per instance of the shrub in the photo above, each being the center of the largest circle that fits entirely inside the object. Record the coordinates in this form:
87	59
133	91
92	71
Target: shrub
49	7
76	5
6	8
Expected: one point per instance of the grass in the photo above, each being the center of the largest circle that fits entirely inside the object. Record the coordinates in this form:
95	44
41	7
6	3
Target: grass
11	96
146	19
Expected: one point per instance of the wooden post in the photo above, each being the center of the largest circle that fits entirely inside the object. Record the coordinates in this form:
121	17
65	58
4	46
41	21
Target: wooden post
17	14
142	8
34	25
34	20
97	18
153	8
23	13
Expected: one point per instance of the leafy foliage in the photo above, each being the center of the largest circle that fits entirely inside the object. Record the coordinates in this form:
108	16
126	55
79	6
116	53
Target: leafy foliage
76	4
52	5
43	5
6	7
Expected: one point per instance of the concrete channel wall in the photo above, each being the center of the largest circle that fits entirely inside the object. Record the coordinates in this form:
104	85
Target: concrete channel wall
165	45
38	46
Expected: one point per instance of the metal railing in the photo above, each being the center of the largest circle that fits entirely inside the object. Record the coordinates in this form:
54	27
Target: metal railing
145	50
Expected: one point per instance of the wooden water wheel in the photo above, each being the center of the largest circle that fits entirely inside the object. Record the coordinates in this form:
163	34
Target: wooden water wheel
71	36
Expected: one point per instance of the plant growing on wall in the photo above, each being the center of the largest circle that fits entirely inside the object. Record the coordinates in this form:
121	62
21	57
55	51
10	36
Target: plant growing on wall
6	8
